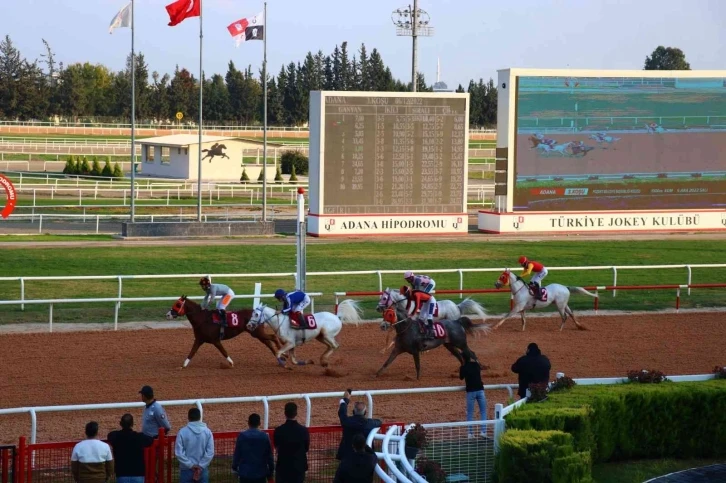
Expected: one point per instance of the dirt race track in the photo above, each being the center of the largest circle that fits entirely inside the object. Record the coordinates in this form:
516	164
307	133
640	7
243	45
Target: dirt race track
94	367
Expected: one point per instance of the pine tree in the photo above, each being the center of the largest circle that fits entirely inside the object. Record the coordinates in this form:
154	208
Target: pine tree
293	175
244	178
96	167
117	172
107	172
278	175
70	167
85	167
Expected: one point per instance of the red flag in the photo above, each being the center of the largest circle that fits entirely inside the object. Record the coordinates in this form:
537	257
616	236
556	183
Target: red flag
182	10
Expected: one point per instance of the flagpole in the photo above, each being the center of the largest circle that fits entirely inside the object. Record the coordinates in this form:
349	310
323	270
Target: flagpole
201	91
264	128
133	118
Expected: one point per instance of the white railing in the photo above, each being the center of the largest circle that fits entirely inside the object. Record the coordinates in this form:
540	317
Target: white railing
639	121
260	276
265	400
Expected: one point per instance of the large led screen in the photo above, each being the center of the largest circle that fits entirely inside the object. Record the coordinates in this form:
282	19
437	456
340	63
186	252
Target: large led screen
603	144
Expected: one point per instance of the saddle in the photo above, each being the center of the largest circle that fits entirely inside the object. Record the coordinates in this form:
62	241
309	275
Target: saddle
533	292
302	321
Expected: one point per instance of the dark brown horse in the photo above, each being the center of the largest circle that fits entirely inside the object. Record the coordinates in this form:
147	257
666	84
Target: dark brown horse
206	331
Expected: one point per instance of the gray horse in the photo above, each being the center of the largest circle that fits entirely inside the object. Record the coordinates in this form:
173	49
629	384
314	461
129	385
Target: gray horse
410	340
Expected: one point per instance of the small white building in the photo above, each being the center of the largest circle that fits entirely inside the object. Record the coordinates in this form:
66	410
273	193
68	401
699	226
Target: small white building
176	156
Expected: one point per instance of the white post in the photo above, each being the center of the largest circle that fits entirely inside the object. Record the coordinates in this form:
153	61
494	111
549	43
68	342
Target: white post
689	279
50	318
301	262
258	292
22	293
615	280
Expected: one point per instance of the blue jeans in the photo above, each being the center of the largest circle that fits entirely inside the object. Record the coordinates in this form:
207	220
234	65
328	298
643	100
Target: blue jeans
480	398
185	476
129	479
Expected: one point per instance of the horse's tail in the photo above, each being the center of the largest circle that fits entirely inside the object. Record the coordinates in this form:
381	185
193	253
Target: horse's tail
349	311
470	327
582	291
472	307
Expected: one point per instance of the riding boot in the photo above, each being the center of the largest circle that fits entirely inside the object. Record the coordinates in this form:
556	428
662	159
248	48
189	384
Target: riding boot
537	291
430	329
222	322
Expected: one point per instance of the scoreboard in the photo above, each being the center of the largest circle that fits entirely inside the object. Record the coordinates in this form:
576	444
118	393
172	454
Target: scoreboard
387	163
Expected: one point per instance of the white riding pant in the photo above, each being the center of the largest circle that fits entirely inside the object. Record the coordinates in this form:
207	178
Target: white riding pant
427	310
301	306
225	300
537	277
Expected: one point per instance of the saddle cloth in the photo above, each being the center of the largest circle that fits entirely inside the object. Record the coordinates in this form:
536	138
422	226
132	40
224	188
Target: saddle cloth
303	321
439	330
543	290
233	318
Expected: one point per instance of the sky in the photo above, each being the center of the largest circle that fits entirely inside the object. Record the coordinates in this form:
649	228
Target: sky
472	38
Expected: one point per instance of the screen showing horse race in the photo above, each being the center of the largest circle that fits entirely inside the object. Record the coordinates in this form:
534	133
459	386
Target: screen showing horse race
626	143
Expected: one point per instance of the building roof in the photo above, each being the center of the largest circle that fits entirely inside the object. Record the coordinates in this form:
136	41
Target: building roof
182	140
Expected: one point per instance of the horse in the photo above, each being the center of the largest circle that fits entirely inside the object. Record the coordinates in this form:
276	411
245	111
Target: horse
324	329
552	293
410	340
215	150
207	332
602	138
445	309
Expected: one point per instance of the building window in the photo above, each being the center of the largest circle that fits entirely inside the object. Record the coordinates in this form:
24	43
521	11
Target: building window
165	155
150	154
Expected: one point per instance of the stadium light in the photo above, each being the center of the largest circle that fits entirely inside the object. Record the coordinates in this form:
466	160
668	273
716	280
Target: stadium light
414	22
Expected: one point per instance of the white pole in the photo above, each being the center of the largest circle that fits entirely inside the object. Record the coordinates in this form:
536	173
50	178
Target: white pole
264	108
201	90
133	116
301	262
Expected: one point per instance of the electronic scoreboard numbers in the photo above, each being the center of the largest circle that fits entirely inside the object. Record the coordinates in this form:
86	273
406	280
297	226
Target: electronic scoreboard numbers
386	163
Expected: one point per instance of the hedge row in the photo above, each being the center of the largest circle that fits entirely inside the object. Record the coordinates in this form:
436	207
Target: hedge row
78	165
628	421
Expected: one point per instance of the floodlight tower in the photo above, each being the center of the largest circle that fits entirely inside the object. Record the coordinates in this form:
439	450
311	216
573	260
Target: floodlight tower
412	21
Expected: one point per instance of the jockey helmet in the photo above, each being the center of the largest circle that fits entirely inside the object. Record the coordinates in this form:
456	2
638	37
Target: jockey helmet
204	281
279	293
408	275
523	260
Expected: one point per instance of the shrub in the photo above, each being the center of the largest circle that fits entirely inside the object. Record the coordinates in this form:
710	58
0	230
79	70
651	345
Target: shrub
244	178
278	175
646	376
542	456
430	470
70	167
96	167
538	392
85	167
107	171
79	166
296	159
261	177
575	421
720	372
417	437
562	383
293	175
117	172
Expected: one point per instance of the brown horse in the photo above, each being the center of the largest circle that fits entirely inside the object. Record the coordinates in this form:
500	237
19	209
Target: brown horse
207	332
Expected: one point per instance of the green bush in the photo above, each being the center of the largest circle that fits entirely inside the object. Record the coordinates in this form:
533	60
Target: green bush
117	171
85	167
574	421
96	167
542	456
79	166
70	167
244	178
107	171
261	178
278	175
293	174
296	159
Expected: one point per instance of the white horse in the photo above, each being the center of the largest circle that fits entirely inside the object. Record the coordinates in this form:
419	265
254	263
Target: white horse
602	138
524	300
327	327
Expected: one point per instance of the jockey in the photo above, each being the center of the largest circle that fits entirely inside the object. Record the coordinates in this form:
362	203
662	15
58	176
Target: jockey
425	284
539	270
293	304
212	290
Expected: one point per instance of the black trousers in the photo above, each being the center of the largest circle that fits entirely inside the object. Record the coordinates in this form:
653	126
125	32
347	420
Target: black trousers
290	478
253	480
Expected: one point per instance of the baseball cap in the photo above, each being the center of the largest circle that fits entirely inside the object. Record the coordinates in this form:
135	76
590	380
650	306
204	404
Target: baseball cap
147	391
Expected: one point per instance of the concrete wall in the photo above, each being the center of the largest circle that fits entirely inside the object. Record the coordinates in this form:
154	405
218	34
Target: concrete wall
190	229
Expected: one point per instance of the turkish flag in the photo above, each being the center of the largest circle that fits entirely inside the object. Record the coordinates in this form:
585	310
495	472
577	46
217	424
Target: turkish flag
182	10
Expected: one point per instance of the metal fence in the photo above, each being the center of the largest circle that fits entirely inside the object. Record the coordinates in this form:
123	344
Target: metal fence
8	460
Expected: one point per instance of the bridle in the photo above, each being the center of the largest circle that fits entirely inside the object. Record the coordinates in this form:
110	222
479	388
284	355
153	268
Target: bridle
176	313
262	321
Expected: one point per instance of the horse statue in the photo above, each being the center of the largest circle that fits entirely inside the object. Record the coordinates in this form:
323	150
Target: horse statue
444	309
451	333
524	298
206	331
216	150
321	326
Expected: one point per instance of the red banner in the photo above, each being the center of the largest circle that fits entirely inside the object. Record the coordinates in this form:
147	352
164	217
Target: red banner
11	198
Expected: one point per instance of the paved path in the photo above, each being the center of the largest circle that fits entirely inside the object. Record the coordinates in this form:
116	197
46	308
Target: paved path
706	474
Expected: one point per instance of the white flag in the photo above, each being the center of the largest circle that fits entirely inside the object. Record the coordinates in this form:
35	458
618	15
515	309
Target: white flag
122	19
250	28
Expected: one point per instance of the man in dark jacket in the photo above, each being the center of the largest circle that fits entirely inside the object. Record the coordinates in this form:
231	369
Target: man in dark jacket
352	425
128	450
253	460
532	367
359	466
471	373
292	442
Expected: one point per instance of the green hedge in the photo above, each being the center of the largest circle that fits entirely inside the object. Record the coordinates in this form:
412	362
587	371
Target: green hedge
629	421
542	456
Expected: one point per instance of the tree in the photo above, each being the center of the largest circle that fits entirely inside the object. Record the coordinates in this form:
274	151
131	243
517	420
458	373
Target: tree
95	167
117	171
107	172
70	167
460	89
85	167
159	104
216	99
183	93
666	58
245	177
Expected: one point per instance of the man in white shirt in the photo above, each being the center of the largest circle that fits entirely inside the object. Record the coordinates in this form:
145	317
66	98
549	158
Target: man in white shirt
91	459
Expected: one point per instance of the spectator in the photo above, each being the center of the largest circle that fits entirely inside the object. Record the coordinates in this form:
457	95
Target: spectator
253	460
358	466
128	449
532	367
292	442
154	416
194	449
471	373
91	459
352	425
